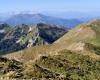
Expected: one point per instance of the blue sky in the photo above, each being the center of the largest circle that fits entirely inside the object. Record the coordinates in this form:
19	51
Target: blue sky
49	5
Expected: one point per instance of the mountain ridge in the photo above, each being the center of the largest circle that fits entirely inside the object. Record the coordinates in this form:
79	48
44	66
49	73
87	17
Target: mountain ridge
75	56
75	40
26	36
31	19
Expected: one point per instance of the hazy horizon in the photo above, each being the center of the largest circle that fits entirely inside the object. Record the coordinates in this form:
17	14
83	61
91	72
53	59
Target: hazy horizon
50	5
57	8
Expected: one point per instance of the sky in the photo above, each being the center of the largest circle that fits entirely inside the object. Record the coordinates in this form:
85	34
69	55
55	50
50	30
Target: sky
50	6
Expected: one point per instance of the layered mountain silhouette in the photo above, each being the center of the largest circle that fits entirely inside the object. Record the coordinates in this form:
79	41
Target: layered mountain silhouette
31	19
74	56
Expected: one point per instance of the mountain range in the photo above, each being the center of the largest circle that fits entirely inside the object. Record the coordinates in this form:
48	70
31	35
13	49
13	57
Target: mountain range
31	19
75	55
24	36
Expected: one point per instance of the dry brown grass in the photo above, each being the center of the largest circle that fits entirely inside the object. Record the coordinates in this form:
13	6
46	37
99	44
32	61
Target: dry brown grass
74	40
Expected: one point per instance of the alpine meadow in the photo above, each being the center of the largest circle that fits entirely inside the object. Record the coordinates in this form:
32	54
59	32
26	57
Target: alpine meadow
49	40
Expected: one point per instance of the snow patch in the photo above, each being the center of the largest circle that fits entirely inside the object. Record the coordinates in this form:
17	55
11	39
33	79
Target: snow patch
30	29
2	31
30	43
18	41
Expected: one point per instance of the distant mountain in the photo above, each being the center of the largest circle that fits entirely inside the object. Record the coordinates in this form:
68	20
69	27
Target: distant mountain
75	56
4	16
31	19
0	21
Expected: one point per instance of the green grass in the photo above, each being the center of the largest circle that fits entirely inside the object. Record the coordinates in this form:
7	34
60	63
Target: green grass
72	66
95	41
93	48
67	65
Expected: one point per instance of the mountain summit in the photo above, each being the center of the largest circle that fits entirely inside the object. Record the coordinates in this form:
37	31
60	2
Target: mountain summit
31	19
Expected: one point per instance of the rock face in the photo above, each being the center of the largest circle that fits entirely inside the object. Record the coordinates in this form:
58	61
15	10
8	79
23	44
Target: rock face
75	56
84	39
23	36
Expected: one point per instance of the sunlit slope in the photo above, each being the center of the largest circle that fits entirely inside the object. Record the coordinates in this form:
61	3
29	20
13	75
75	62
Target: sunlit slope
84	39
84	35
67	65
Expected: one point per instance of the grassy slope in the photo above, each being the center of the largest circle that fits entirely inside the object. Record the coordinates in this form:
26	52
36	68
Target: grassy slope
71	66
66	65
96	28
85	34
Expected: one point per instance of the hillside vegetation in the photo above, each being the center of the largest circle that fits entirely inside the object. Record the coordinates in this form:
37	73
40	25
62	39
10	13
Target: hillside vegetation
66	65
75	56
83	39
